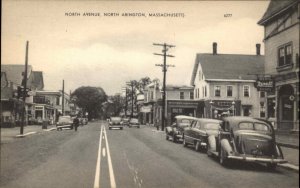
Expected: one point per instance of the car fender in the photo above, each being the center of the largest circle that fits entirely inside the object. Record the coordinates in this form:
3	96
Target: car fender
225	145
168	129
212	143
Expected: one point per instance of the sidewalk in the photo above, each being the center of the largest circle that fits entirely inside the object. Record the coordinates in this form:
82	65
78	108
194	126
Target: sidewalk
289	144
9	134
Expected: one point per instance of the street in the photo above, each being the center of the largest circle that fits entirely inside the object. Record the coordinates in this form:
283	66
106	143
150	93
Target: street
97	157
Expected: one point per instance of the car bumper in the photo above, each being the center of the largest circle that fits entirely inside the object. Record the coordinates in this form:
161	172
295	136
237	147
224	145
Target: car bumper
257	159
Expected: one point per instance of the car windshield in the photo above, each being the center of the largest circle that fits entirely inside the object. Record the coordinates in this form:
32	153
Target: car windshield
212	126
185	121
64	119
134	120
254	126
115	119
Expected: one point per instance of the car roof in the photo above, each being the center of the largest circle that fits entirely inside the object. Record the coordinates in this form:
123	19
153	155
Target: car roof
207	120
235	120
185	117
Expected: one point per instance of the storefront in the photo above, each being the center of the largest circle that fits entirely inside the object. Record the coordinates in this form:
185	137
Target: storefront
217	109
188	108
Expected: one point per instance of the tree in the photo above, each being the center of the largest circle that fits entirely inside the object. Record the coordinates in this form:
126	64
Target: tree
143	83
90	99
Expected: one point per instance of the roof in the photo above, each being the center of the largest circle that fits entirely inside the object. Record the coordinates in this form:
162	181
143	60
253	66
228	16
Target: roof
181	87
275	8
185	117
14	72
36	80
228	66
4	82
206	120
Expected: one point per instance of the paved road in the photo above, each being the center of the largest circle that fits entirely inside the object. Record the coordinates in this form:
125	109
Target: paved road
129	158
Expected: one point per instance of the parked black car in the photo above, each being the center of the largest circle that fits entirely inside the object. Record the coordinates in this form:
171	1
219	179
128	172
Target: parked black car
246	139
175	131
199	131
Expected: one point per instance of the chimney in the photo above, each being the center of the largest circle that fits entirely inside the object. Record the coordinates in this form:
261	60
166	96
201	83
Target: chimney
257	49
214	48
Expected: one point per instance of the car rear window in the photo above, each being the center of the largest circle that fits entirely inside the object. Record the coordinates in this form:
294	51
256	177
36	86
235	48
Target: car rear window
134	120
64	119
212	126
254	126
116	119
185	121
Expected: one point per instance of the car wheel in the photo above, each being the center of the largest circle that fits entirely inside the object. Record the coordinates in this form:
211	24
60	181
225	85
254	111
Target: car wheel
271	166
184	143
197	146
174	138
109	128
121	128
138	127
167	137
222	157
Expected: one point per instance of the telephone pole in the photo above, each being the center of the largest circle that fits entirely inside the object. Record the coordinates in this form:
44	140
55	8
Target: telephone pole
164	66
63	98
125	100
24	91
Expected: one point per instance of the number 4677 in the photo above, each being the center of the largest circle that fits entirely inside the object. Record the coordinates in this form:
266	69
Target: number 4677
227	15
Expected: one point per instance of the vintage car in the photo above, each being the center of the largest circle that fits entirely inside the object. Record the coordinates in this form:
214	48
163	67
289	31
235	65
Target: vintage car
64	122
175	131
199	131
125	121
246	139
134	122
115	122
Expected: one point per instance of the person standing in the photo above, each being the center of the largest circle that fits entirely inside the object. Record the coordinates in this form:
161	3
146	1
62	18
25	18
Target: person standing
76	123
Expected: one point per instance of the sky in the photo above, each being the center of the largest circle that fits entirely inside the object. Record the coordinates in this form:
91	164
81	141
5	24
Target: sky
107	51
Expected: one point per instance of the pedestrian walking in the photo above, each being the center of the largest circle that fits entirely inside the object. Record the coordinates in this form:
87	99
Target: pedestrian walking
76	123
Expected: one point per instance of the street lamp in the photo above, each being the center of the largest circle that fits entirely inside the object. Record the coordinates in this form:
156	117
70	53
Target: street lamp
211	110
233	104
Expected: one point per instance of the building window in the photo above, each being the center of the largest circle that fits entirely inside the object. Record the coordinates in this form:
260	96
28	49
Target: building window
181	95
246	91
205	91
217	91
229	91
198	93
262	110
262	94
191	95
202	91
285	55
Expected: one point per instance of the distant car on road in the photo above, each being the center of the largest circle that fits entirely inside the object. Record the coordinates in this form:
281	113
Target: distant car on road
199	131
115	122
125	121
246	139
64	122
134	122
175	131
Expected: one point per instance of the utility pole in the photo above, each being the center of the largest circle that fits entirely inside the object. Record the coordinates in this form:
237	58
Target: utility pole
125	106
131	99
164	66
24	91
63	98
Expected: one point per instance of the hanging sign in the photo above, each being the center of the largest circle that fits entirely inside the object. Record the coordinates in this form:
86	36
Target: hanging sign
265	84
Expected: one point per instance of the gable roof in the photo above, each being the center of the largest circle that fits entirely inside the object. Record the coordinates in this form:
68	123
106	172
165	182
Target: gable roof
4	82
14	72
275	8
228	66
36	80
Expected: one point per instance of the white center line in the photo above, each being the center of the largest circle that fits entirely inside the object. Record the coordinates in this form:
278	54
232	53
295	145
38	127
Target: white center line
97	174
110	167
103	152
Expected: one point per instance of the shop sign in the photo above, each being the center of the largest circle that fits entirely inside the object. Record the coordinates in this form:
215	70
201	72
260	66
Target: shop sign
264	84
146	109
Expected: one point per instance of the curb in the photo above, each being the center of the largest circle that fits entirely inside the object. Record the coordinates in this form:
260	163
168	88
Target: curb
26	134
289	166
52	129
293	146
